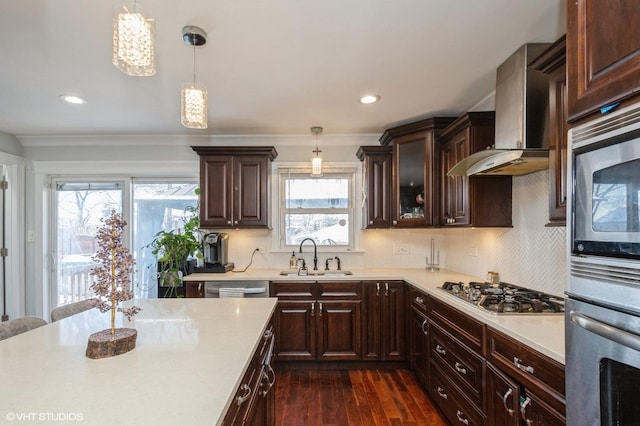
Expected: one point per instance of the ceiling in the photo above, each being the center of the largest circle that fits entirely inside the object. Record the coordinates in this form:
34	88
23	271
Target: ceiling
270	67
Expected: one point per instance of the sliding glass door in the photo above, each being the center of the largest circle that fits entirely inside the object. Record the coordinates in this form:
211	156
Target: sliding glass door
79	208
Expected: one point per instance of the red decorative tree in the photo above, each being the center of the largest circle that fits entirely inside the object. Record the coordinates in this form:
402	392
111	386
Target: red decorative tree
112	285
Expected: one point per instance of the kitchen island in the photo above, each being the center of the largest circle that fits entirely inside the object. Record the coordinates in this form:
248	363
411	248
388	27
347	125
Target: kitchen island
189	359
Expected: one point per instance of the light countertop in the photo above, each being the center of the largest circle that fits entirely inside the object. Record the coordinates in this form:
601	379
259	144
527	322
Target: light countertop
544	333
189	358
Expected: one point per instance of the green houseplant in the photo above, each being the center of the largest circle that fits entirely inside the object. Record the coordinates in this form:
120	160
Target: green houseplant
174	247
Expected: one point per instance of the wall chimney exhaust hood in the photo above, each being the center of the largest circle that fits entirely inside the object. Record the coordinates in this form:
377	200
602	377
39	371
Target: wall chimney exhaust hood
522	118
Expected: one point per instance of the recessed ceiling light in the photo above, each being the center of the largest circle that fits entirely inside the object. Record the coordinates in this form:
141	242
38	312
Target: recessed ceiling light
369	99
72	99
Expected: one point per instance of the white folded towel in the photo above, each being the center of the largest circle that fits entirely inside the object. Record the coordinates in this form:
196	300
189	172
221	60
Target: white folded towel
231	292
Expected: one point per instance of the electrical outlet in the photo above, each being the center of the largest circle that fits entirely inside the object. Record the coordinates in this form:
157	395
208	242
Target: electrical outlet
401	248
261	250
473	251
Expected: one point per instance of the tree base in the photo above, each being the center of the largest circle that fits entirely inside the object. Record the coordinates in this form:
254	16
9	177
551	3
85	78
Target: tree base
103	344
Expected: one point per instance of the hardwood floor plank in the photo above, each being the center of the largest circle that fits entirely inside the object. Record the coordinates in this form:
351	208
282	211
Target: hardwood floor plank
354	398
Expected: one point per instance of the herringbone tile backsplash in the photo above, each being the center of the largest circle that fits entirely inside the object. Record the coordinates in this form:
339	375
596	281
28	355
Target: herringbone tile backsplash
529	254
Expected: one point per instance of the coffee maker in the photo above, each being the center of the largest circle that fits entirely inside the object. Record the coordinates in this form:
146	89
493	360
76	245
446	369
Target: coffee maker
215	246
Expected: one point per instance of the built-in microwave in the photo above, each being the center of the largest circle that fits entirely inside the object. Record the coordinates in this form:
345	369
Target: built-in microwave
605	207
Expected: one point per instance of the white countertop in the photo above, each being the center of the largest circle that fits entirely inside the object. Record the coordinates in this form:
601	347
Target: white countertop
544	333
189	358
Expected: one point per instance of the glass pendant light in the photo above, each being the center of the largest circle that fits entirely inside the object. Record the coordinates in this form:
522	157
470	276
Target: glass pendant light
316	162
194	96
133	41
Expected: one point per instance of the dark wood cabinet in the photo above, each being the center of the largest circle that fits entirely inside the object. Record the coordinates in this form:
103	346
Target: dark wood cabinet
415	189
383	331
254	401
552	62
194	289
418	335
318	320
456	363
376	170
522	384
603	54
471	200
234	186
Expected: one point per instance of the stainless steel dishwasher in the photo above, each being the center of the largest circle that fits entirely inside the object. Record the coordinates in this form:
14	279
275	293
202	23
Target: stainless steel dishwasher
218	289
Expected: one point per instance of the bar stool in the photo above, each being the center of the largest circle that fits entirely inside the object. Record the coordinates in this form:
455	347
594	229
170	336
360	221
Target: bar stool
19	325
71	309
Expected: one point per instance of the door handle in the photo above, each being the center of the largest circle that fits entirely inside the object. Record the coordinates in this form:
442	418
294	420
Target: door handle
320	309
425	332
377	289
386	289
504	401
313	309
607	331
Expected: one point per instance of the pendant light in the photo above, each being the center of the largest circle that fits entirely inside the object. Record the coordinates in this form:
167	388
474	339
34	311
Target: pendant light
194	96
133	41
316	162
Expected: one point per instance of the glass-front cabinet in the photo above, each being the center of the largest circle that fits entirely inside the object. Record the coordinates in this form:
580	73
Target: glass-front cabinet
415	172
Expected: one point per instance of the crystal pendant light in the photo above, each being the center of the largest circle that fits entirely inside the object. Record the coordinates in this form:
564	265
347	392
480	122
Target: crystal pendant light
316	162
133	41
194	96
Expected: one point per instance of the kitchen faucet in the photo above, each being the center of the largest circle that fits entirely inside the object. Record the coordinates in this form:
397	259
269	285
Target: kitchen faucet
315	252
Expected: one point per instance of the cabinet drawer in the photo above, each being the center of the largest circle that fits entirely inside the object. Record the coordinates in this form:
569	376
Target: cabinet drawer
348	290
245	394
418	300
457	410
466	329
298	290
462	366
527	365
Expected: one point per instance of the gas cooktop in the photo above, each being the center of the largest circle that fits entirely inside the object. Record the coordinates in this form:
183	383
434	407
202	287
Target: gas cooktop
504	298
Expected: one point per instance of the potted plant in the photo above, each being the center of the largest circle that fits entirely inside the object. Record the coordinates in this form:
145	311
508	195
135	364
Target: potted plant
173	248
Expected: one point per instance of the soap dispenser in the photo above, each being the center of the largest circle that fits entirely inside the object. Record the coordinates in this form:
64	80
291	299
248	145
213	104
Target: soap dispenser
293	261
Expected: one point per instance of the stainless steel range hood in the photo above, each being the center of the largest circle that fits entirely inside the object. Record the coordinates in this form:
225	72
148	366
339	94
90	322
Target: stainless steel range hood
522	117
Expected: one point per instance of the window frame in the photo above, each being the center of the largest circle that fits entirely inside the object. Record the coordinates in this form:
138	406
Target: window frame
281	171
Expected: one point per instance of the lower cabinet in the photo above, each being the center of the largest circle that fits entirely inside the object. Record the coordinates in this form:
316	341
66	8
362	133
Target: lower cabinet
383	327
523	386
456	364
418	335
318	320
254	401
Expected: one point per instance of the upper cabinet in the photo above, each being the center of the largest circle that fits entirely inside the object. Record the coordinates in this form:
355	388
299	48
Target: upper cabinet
376	171
415	178
234	186
471	200
603	54
552	62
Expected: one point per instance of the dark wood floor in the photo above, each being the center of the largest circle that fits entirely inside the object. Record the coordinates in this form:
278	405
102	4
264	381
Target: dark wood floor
356	397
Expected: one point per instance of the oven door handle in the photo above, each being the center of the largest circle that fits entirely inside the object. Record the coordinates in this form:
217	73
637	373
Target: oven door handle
607	331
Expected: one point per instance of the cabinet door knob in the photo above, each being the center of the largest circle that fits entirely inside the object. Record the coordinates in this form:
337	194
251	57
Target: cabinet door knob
228	222
370	222
236	222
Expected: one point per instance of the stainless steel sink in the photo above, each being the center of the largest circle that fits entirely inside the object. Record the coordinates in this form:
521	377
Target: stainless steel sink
294	273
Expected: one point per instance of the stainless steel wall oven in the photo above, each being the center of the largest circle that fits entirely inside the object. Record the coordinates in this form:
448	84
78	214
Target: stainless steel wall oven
602	311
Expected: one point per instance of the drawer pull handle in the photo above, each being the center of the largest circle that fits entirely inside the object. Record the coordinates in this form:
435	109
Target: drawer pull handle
386	289
461	418
441	393
504	401
460	368
313	309
377	289
523	410
441	350
424	330
247	393
419	300
268	334
519	365
320	309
